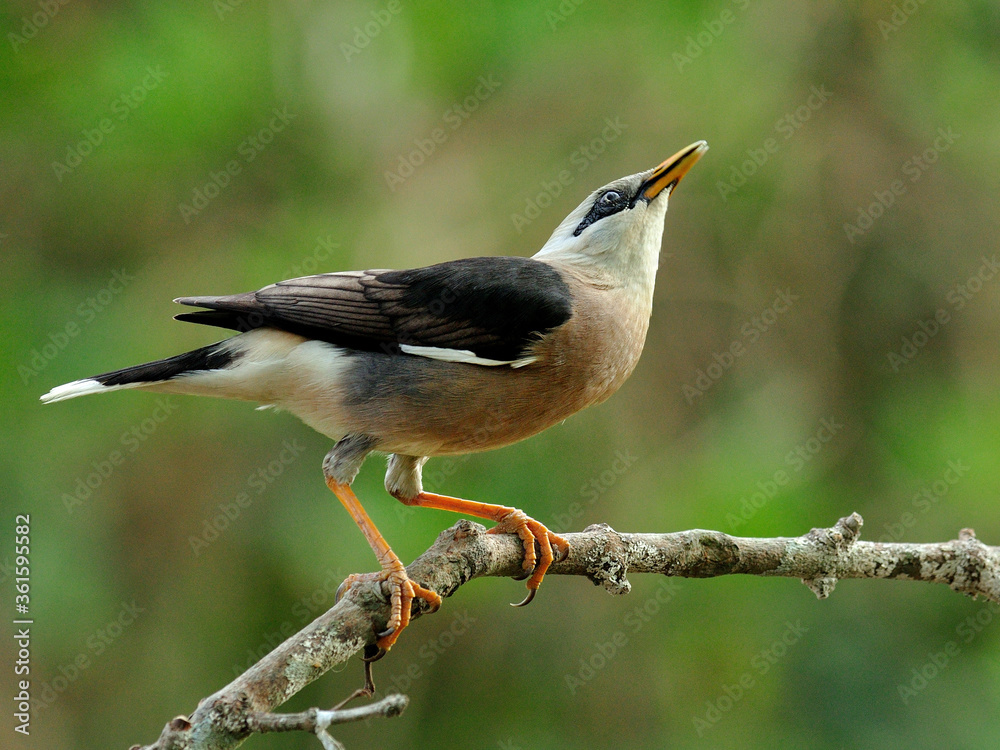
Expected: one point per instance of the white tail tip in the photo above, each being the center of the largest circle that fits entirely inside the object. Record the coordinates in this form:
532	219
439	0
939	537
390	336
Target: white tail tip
74	389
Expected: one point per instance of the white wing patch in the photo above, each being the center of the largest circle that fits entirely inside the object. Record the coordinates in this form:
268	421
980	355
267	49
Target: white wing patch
461	355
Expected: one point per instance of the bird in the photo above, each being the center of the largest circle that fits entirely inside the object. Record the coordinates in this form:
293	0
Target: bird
454	358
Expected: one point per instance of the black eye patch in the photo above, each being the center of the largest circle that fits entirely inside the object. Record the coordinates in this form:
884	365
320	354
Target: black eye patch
609	202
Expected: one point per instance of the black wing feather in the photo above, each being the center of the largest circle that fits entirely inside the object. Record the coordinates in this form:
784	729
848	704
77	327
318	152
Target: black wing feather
495	307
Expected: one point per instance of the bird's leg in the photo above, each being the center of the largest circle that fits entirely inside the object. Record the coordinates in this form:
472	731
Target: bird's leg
509	520
403	589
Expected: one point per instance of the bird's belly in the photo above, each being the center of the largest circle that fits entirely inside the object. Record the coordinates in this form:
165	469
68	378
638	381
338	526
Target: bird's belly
410	404
494	424
424	407
469	430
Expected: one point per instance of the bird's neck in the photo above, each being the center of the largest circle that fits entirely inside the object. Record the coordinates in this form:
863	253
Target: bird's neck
630	266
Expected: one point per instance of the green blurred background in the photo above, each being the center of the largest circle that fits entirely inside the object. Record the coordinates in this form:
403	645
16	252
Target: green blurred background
422	134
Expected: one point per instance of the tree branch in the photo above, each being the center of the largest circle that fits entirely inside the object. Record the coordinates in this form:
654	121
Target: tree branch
600	553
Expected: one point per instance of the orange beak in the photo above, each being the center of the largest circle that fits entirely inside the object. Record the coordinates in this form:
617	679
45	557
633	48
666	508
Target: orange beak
669	173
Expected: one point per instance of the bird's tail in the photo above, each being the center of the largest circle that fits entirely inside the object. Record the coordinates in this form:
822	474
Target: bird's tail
213	357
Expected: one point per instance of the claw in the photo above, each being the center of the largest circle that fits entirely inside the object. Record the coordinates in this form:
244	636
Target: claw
527	599
341	590
404	591
379	653
532	534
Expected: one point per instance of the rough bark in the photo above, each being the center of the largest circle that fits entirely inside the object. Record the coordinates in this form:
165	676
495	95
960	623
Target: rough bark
600	553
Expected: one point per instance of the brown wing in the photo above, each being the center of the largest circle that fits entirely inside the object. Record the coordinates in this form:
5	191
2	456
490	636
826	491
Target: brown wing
495	307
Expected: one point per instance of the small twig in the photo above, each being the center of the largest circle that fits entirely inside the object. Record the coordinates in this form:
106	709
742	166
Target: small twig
317	721
820	558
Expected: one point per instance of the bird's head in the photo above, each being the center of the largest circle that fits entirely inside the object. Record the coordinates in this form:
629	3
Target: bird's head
617	230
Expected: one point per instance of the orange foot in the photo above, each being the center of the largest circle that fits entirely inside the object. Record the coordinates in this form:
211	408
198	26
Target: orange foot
404	591
509	521
531	531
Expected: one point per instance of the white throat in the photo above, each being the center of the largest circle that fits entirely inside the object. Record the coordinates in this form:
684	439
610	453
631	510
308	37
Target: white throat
621	251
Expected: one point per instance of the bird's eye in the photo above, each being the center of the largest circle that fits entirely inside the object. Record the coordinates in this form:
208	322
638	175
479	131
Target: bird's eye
608	203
